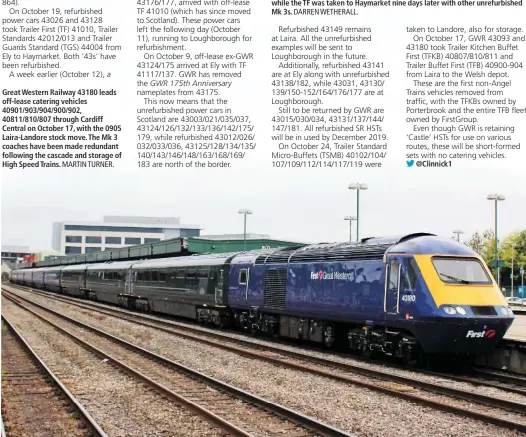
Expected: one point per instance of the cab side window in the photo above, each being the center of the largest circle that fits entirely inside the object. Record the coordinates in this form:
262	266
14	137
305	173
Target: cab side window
411	275
394	269
243	277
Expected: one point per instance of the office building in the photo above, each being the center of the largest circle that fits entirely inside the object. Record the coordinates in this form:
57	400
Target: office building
73	238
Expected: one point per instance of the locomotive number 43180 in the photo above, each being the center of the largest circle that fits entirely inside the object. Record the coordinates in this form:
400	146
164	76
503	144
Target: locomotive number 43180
409	298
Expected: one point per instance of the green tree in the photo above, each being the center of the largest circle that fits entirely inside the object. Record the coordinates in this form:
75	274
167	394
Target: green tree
483	244
514	247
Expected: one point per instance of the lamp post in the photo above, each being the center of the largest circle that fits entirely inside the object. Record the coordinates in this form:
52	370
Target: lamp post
245	212
512	256
496	197
358	186
350	218
458	232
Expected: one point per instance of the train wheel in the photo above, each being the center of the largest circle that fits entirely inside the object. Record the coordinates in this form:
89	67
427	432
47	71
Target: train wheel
370	354
419	361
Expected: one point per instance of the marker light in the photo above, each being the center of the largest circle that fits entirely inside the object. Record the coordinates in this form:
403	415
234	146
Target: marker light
450	310
504	311
461	311
510	312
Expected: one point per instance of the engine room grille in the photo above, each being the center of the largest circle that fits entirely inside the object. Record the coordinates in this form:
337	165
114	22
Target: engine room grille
279	256
275	288
324	253
484	311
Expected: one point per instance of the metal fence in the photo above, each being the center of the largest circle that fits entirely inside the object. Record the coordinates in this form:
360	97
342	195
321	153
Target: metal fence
519	292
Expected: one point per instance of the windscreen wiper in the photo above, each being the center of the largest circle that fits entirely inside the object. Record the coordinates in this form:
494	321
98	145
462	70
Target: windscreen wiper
453	278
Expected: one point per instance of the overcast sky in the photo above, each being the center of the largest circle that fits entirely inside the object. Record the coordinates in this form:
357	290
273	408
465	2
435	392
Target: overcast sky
302	206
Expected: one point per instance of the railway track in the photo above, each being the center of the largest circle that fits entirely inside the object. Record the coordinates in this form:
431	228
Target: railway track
339	371
181	329
508	383
508	378
518	310
237	412
34	400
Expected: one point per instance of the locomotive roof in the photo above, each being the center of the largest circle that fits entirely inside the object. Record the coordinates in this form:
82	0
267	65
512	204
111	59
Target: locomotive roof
367	248
432	245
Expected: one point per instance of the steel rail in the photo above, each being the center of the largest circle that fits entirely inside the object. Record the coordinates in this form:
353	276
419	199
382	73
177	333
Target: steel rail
465	412
508	378
128	315
172	328
311	424
2	427
125	314
92	425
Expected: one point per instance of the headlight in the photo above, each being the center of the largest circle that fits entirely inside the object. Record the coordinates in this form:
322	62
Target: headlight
461	310
450	310
510	312
504	311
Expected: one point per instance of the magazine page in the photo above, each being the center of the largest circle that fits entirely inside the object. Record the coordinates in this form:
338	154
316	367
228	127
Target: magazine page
282	217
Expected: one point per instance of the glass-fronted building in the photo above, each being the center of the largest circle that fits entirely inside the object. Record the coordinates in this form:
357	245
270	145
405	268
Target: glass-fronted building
75	238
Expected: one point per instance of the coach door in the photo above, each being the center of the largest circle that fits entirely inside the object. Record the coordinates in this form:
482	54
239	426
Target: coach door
218	284
393	276
128	283
244	275
82	281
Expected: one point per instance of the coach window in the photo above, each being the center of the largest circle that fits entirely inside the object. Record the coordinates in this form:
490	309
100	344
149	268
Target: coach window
179	279
191	280
243	277
162	276
202	276
140	276
155	276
